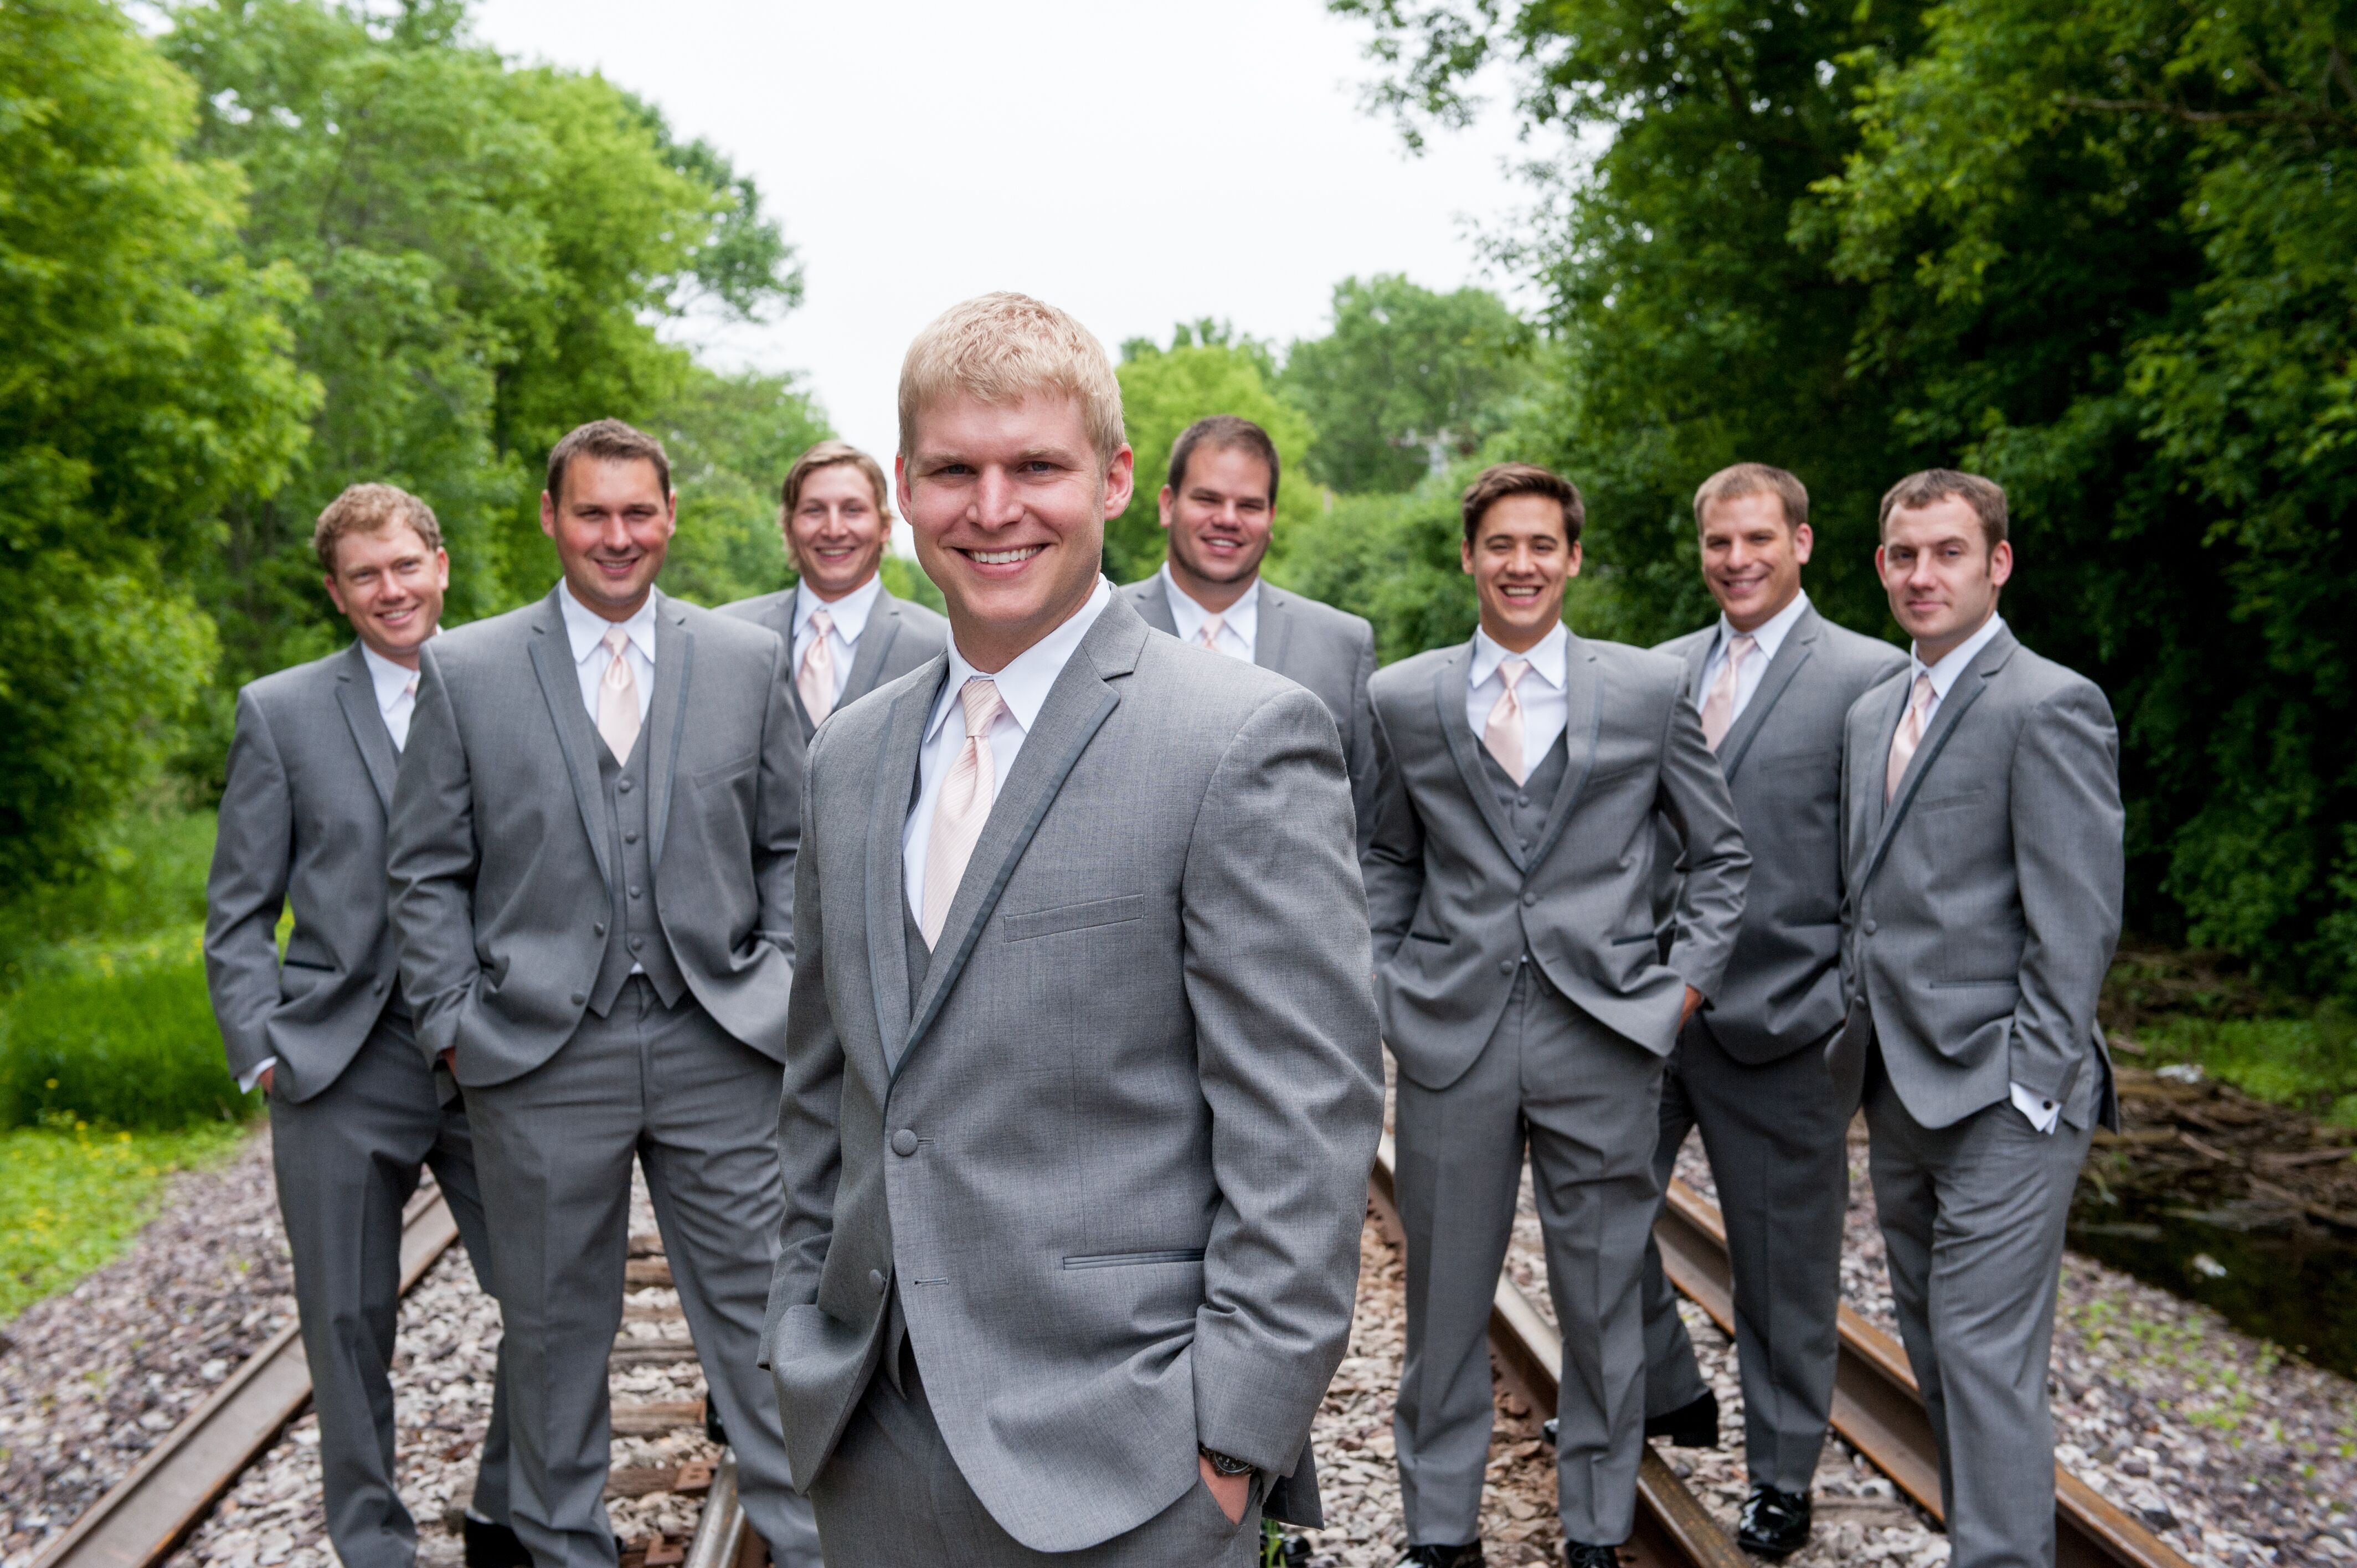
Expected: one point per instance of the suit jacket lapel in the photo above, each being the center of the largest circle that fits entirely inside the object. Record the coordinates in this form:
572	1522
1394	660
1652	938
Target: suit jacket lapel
1275	626
1151	599
1077	706
1799	643
1953	707
888	949
356	694
1448	684
560	686
666	715
874	642
1697	660
780	617
1583	715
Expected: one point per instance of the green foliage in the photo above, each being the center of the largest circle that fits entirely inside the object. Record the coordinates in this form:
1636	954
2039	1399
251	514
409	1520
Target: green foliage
731	439
144	377
147	877
121	1035
1407	380
1390	558
72	1195
2309	1062
1206	370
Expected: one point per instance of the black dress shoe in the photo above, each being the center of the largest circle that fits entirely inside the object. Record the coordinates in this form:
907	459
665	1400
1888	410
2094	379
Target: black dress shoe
492	1545
1466	1556
1692	1425
1579	1554
1774	1524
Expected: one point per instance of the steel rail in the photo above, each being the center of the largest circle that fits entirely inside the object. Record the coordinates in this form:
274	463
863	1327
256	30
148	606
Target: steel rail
1879	1408
150	1511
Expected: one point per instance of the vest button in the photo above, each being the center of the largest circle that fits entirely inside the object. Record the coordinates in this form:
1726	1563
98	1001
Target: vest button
1529	899
875	1278
638	942
1505	966
626	786
634	890
630	837
599	929
578	998
904	1142
1522	800
1869	928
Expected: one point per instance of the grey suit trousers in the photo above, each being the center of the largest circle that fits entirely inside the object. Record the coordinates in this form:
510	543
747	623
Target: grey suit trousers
1972	1219
697	1109
346	1160
1777	1135
891	1495
1586	1100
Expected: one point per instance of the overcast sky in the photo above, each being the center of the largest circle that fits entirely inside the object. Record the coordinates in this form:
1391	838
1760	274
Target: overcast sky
1137	162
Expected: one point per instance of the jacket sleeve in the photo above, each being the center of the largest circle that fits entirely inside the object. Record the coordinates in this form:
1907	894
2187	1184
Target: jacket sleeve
777	826
246	889
809	1104
1695	802
431	861
1288	1056
2071	864
1392	861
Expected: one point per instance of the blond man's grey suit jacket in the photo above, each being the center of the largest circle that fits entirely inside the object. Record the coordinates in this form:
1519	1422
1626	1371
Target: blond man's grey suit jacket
500	848
1110	1147
1983	902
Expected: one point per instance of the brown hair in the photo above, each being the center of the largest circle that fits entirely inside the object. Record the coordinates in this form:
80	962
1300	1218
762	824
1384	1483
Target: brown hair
372	509
1985	497
1000	349
1223	432
827	455
1499	481
611	441
1755	479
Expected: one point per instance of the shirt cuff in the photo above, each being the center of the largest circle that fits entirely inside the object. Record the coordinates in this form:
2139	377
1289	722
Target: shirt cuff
245	1085
2043	1114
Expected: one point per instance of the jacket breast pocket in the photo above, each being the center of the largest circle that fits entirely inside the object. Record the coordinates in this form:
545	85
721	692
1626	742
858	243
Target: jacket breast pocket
726	774
1062	918
1956	802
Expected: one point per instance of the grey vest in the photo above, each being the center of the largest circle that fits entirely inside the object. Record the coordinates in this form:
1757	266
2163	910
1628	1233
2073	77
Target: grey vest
1526	804
634	933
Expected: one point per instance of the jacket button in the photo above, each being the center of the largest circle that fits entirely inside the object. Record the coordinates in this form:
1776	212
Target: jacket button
875	1278
631	837
377	989
904	1142
634	891
578	998
1869	928
599	929
1505	966
1529	899
626	786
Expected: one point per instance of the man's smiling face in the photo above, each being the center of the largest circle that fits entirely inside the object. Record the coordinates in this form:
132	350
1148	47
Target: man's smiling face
1009	504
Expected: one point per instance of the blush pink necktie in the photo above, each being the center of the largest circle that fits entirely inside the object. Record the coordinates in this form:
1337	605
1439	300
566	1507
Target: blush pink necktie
617	699
1210	633
1910	736
1504	732
817	680
1718	708
962	808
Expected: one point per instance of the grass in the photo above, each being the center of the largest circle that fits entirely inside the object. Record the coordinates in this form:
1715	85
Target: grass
2193	1007
72	1195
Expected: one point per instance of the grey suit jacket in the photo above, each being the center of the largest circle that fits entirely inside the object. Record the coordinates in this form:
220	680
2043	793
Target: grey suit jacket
1782	760
1456	900
1330	651
498	845
900	636
1121	1219
302	822
1983	903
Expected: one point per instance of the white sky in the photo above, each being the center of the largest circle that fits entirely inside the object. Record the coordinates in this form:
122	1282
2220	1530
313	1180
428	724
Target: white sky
1137	162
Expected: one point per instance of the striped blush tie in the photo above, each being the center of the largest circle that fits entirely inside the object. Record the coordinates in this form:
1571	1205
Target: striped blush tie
962	809
1504	732
1910	736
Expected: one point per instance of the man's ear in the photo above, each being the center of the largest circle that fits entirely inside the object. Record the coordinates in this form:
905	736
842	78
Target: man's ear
1165	502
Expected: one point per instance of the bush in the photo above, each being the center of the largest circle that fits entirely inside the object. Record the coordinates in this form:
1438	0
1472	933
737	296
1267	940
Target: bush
122	1037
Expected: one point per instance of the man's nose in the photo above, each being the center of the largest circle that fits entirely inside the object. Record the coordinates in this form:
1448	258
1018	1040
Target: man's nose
996	504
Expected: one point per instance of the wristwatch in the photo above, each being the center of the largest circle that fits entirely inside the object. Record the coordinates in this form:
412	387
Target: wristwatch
1226	1464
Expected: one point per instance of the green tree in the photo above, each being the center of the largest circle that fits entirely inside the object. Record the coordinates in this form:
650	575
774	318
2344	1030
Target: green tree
1206	370
145	376
1408	381
731	439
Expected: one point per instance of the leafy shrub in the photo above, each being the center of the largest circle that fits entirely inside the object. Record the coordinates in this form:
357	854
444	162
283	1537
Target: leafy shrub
123	1038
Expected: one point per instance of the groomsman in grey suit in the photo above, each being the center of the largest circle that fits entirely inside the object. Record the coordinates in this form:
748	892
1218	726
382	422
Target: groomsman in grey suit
1774	681
1982	829
1529	776
1218	508
356	1111
1067	1263
592	861
845	632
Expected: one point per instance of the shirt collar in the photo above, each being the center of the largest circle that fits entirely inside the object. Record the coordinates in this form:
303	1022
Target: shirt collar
1024	684
1546	659
1771	634
1244	615
849	613
1959	660
586	628
391	680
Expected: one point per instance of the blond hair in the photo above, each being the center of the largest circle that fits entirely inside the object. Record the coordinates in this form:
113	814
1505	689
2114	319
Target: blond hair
1755	479
828	455
372	509
1000	349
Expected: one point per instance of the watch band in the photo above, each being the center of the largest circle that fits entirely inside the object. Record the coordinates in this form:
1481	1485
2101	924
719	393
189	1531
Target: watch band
1226	1464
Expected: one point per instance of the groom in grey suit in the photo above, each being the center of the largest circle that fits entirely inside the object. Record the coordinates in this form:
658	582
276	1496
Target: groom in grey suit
1982	829
1528	778
592	862
356	1111
1082	1081
1219	507
1772	681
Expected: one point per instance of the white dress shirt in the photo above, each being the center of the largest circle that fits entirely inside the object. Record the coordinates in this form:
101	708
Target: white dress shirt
1769	636
1023	689
1239	623
2043	1114
587	629
849	614
397	697
1545	708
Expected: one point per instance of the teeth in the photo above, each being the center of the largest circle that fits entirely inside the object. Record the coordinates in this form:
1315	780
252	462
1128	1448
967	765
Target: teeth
1005	557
